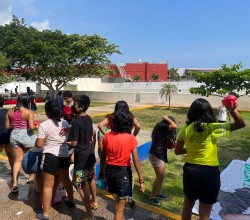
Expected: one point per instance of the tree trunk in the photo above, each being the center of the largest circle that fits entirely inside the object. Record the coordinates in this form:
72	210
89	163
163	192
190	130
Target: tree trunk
169	101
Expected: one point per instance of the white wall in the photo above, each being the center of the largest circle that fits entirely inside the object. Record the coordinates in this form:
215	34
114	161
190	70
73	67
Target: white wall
86	84
22	86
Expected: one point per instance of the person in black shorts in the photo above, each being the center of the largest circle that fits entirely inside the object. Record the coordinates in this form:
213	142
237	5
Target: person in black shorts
198	139
80	136
5	135
55	160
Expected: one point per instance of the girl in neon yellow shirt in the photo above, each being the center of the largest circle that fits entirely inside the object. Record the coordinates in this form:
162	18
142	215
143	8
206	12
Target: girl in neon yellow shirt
197	138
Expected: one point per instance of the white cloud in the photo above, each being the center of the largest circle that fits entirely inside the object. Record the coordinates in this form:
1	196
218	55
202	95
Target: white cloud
29	6
5	11
41	25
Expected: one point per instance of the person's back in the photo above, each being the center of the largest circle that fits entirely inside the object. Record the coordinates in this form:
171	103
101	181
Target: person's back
119	147
197	138
202	146
17	120
55	143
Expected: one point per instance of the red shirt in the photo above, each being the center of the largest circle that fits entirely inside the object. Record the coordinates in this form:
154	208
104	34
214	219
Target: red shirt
118	148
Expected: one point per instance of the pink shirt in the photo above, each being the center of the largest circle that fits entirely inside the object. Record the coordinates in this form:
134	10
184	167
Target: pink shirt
17	120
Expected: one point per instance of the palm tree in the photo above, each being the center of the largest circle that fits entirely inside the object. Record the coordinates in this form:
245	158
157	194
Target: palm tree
155	77
173	75
137	78
168	90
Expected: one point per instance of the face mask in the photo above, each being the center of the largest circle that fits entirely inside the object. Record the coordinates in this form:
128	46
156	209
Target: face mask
73	108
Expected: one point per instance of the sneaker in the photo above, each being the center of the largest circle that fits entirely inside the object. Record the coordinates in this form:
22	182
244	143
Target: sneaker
42	217
164	197
155	201
131	202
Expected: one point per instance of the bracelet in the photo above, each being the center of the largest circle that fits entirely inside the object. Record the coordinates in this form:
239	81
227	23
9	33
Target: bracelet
141	181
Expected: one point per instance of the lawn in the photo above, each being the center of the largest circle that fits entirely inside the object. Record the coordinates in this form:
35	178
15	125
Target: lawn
235	146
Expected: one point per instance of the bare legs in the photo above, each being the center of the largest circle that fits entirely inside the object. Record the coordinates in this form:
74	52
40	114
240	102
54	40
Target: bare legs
86	201
156	188
10	156
92	188
18	156
49	183
119	209
204	210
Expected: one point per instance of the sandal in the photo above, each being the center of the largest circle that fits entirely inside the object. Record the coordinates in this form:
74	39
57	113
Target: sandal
30	181
94	207
14	189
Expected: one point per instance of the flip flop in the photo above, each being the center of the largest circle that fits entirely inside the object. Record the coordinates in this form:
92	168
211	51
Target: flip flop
30	181
14	189
94	207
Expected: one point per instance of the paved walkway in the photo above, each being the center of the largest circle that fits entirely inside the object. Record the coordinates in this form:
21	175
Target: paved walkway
25	205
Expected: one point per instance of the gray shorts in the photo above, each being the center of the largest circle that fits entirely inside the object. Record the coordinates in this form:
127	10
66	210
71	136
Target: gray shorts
156	162
22	138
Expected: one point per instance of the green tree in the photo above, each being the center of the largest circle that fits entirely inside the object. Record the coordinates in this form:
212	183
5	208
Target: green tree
168	90
4	78
227	80
137	78
173	75
52	58
155	77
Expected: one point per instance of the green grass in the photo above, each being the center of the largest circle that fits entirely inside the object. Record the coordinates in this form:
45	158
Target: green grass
235	146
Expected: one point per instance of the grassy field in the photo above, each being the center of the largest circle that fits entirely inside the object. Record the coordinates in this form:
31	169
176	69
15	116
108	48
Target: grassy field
235	146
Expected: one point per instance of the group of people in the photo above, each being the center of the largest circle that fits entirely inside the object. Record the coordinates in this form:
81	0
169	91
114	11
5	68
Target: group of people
68	136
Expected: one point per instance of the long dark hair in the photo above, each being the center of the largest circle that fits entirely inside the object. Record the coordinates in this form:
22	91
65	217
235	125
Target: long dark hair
161	131
122	121
22	101
52	110
121	105
200	112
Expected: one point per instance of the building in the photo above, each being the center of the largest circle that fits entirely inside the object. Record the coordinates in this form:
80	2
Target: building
141	71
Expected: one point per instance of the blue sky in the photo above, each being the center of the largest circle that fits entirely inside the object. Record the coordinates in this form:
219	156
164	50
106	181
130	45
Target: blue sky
186	33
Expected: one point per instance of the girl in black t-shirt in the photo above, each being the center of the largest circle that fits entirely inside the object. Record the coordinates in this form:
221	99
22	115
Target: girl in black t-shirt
163	138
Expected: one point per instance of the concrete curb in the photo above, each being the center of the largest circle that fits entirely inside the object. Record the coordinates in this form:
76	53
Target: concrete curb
148	207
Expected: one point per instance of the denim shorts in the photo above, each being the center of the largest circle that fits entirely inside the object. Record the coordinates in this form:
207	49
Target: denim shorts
22	138
119	180
201	182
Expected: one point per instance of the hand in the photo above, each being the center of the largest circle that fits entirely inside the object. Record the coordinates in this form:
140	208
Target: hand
142	188
232	107
64	131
